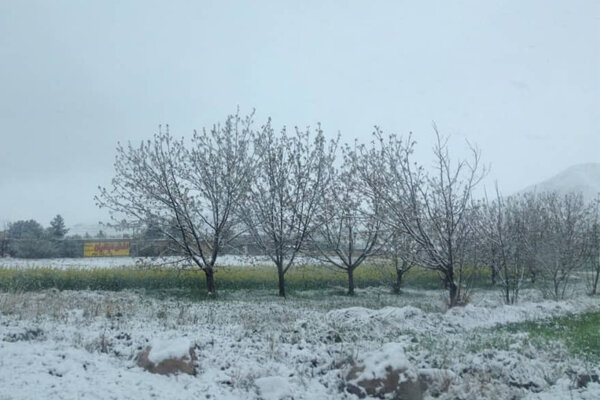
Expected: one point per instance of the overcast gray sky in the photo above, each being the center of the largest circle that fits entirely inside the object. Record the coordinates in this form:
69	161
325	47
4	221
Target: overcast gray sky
521	79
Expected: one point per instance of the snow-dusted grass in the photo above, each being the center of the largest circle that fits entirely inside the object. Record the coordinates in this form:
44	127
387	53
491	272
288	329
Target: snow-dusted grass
227	278
252	344
302	277
152	275
581	333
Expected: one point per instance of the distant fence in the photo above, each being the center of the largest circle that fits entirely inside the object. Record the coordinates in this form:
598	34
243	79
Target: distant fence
107	248
44	248
74	248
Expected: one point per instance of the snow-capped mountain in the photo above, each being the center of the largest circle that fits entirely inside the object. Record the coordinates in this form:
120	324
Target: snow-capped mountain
581	178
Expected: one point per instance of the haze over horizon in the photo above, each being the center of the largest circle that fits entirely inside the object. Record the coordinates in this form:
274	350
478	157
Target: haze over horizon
519	80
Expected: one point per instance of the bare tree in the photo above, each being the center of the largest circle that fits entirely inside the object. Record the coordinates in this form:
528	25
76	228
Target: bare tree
188	194
532	211
348	223
593	236
563	250
279	211
3	238
404	253
502	226
433	209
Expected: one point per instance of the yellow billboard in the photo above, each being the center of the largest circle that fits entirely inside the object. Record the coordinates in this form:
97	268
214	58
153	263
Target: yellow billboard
106	248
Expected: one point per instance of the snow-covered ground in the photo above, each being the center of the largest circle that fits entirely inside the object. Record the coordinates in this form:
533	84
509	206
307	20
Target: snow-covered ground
114	262
117	262
253	345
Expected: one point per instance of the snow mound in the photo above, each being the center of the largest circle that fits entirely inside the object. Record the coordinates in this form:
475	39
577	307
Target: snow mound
274	388
161	349
457	319
378	363
472	316
407	316
564	390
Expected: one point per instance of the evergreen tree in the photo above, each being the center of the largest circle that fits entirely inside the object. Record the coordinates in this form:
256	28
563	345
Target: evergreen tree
27	239
30	229
153	230
57	227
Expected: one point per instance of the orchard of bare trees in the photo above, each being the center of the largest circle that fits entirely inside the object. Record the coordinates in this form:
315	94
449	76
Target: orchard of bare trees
295	193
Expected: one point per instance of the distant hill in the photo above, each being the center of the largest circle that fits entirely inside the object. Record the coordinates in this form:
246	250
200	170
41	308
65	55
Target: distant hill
581	178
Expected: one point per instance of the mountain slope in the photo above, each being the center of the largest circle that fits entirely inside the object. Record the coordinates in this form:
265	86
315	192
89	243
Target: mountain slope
581	178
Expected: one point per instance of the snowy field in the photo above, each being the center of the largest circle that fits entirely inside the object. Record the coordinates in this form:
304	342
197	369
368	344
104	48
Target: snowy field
253	345
226	260
114	262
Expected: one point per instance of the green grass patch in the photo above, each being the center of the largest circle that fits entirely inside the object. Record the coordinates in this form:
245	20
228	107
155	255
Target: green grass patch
580	333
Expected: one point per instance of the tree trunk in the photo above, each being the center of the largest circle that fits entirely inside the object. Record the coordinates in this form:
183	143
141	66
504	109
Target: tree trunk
452	287
281	276
398	283
210	280
494	274
595	287
350	282
453	294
